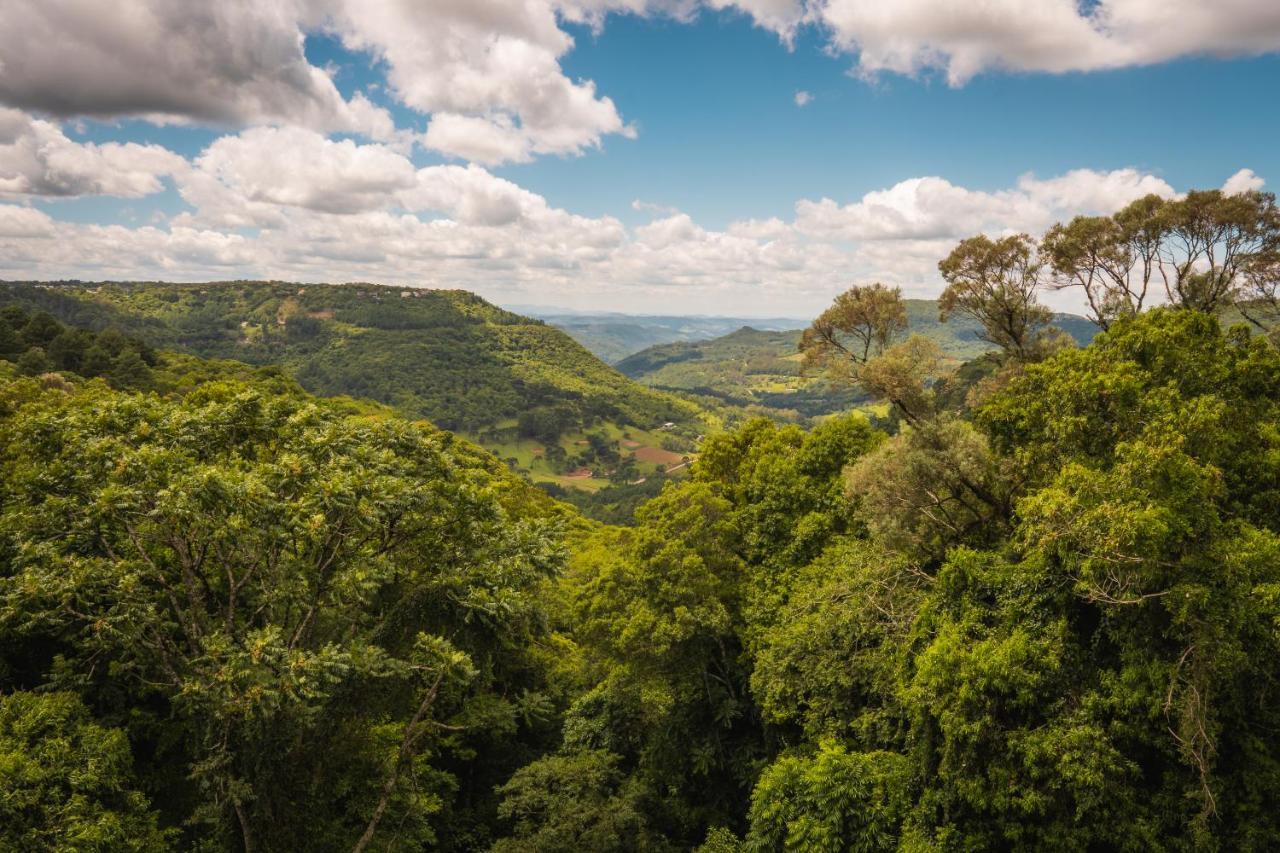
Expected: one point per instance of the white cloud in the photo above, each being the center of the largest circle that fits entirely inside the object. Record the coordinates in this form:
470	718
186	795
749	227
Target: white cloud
37	159
24	223
784	17
484	140
1243	181
342	211
473	196
294	167
933	208
268	177
803	98
232	62
962	38
487	71
488	75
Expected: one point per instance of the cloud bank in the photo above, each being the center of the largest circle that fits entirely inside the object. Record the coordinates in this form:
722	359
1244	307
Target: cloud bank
292	203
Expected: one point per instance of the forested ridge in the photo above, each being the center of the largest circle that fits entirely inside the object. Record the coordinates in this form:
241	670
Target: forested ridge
444	355
1036	607
760	371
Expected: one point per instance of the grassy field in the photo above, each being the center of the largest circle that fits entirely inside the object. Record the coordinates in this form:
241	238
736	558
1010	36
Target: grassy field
529	455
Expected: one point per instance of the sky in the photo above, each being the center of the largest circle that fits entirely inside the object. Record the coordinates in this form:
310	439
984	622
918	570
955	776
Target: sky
730	157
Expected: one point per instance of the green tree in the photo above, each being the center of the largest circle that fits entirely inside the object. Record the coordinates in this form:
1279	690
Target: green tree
1213	241
10	342
33	362
904	375
934	485
995	282
321	605
40	330
128	370
67	782
832	801
1095	254
67	350
859	325
96	362
573	802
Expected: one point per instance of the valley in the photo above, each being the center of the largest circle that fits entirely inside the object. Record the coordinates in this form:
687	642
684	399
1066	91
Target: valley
515	385
639	426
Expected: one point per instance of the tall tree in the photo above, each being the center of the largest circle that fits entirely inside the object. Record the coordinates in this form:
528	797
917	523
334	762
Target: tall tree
248	565
66	782
1096	254
859	325
1213	243
996	282
903	375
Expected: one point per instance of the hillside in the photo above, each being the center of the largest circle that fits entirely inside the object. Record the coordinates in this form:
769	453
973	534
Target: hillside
514	384
753	367
613	337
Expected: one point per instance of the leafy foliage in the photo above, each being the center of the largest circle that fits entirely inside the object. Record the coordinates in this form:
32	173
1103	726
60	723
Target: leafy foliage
313	622
1047	622
1044	614
66	780
38	343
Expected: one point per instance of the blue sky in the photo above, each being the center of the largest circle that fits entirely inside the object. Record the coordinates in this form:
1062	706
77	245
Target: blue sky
612	154
720	135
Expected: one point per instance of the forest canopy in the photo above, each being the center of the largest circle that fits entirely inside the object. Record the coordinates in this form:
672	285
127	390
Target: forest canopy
1035	608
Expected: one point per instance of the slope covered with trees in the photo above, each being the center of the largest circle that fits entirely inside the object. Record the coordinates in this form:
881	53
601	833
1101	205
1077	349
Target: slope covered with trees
762	371
518	386
447	356
1037	611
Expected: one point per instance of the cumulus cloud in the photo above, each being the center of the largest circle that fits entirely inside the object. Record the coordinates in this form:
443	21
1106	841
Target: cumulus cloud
482	139
263	177
961	38
24	223
37	159
803	98
347	211
295	167
784	17
1243	181
933	208
487	74
233	62
486	71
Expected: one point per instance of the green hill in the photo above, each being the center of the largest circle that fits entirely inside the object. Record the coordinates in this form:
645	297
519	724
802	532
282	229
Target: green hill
516	385
751	367
613	337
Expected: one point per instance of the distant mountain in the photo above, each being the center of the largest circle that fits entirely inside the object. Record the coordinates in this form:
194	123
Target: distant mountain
513	383
613	337
747	367
758	367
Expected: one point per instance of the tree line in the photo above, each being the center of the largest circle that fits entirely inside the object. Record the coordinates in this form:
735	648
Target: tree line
1038	611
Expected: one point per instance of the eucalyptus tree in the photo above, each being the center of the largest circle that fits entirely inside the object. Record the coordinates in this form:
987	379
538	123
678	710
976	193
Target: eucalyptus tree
860	324
996	283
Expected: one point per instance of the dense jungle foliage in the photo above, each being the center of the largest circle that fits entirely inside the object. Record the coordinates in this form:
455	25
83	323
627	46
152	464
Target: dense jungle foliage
1042	612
